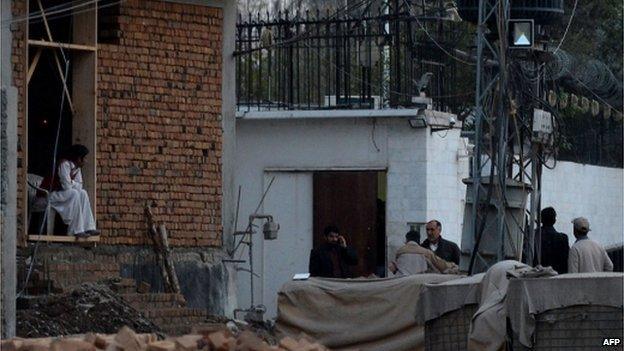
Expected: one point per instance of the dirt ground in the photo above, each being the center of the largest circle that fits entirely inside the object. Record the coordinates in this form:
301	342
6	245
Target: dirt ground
89	308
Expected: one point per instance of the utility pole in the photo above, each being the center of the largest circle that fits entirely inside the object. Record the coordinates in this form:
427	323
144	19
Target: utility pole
496	220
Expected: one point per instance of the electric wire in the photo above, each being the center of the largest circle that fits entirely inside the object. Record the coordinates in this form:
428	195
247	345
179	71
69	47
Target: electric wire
432	39
37	14
55	10
46	212
63	15
377	86
54	170
567	27
306	33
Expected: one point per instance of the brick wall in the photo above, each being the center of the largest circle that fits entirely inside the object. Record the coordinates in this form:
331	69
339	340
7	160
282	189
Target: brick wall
159	132
18	61
159	124
65	275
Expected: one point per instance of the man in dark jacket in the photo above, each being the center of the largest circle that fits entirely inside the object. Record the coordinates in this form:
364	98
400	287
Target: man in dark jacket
446	250
554	245
333	258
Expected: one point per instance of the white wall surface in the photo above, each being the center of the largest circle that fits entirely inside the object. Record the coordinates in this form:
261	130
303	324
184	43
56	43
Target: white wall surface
577	190
290	198
424	177
292	150
447	165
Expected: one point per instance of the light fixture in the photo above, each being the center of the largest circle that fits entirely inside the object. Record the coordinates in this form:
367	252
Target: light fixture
520	33
255	313
419	121
269	229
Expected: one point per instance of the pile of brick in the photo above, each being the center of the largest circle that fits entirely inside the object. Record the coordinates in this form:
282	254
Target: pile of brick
127	340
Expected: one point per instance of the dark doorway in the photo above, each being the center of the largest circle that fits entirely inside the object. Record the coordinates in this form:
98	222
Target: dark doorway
354	202
617	257
44	112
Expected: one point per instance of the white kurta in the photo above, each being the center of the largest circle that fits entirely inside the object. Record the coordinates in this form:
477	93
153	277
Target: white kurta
72	203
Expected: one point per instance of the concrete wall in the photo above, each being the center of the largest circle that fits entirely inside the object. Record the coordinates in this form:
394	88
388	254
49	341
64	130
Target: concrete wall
576	190
202	276
228	108
8	179
291	150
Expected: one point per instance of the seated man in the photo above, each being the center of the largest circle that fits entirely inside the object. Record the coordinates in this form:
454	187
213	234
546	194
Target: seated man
412	258
333	258
68	197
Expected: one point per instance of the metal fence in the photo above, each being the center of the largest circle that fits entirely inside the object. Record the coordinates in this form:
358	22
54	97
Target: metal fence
369	55
591	140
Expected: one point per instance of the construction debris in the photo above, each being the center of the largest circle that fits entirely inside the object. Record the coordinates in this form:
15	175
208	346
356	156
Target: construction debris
89	308
127	340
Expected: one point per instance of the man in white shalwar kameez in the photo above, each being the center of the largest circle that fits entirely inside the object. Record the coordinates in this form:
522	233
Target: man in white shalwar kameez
69	199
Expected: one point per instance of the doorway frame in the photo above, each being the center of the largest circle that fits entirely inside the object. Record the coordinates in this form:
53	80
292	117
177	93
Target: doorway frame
83	99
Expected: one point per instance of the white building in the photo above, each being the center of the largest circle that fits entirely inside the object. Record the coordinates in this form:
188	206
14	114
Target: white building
415	174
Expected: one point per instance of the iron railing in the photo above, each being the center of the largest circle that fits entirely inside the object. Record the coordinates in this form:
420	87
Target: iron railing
369	55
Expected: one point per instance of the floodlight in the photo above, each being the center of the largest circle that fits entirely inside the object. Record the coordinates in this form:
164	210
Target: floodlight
520	33
418	121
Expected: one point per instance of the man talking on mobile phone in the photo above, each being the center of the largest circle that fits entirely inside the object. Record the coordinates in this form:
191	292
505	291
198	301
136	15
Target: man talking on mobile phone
333	258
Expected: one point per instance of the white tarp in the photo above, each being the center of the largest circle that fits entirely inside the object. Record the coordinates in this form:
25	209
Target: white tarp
438	299
528	297
363	314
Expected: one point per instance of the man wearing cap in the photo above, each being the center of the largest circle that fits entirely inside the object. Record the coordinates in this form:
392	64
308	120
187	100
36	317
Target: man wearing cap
587	255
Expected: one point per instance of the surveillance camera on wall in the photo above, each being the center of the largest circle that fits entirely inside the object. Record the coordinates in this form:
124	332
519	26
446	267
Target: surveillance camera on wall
452	121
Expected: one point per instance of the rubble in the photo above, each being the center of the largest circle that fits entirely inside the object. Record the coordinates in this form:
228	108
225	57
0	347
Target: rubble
90	308
94	317
127	340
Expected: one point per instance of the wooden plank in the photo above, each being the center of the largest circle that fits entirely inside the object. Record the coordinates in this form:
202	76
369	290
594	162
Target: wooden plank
65	89
33	65
56	59
168	261
84	93
84	125
57	45
85	26
45	20
160	255
63	238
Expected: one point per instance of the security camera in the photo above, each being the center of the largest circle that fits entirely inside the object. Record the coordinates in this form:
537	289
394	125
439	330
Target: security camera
452	121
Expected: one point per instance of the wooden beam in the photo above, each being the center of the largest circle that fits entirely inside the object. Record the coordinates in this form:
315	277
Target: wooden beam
63	238
62	74
33	65
57	45
45	20
56	59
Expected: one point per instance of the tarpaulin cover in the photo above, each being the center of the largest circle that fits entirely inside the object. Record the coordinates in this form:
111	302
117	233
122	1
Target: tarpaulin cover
364	314
528	297
438	299
487	329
